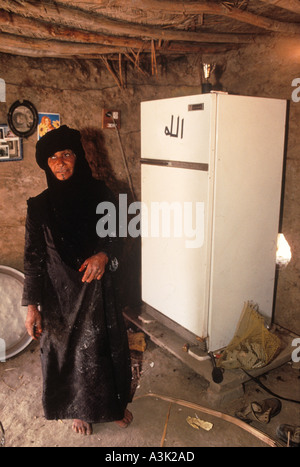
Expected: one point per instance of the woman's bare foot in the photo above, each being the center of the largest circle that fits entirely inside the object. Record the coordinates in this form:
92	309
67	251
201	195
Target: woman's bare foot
84	428
126	420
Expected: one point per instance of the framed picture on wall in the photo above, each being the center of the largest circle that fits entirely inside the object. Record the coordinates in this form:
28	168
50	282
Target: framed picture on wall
11	147
22	118
47	122
4	152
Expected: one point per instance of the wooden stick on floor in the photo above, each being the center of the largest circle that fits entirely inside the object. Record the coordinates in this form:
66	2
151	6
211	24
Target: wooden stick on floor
228	418
166	425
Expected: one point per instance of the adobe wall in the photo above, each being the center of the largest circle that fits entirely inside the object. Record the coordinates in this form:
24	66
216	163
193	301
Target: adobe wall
79	90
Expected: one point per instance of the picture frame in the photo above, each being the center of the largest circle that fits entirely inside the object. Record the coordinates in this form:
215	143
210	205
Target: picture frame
22	118
11	146
47	122
4	150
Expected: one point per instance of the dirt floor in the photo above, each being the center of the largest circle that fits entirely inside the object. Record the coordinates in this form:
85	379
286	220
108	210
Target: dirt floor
157	422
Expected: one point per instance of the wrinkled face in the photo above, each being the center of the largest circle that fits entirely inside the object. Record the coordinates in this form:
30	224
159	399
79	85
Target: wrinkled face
62	164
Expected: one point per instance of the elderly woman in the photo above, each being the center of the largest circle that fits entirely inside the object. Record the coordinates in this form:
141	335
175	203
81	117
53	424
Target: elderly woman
69	291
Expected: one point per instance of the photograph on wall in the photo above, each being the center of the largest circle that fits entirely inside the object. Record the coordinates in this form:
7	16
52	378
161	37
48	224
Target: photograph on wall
47	122
4	151
11	148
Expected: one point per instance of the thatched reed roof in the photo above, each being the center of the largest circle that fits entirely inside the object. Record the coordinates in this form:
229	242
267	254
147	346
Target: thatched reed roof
107	28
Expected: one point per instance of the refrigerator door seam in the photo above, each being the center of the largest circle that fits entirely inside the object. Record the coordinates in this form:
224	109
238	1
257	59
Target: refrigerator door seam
210	224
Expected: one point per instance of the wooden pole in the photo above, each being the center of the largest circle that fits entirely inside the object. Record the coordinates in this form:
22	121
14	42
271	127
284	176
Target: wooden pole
291	5
15	22
96	22
30	47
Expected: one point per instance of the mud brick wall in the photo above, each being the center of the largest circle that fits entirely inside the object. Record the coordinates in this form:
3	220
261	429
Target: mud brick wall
79	90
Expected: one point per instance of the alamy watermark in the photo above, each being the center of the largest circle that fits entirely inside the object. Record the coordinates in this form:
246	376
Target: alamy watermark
296	91
296	352
2	350
156	219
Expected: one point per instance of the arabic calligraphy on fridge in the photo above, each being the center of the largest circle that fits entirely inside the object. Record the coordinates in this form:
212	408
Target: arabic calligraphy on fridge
211	177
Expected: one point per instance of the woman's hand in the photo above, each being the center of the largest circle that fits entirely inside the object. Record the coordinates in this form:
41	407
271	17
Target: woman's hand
94	267
33	322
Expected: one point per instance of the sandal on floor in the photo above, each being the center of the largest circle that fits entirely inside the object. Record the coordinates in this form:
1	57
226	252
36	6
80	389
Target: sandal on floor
265	410
261	411
289	434
245	414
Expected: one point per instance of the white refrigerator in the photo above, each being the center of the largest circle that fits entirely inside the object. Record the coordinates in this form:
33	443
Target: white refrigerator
211	176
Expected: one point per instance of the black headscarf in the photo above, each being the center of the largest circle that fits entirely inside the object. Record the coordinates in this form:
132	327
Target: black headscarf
72	202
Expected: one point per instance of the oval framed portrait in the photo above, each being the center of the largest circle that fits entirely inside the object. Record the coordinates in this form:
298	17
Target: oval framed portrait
22	118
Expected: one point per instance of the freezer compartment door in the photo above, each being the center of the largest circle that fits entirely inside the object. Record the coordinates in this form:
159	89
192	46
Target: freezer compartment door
177	129
175	244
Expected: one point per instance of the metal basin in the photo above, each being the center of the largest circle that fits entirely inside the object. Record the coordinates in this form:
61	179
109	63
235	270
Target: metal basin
13	334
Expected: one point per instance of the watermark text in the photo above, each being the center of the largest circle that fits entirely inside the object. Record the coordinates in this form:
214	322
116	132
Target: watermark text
156	220
296	91
2	350
296	352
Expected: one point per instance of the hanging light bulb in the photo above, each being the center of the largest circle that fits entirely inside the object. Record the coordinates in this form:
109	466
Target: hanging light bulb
283	253
207	70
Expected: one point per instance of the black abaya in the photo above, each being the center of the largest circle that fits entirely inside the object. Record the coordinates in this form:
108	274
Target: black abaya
84	348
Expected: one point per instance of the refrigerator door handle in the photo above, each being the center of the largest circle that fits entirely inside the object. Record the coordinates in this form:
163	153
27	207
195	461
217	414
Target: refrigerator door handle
177	164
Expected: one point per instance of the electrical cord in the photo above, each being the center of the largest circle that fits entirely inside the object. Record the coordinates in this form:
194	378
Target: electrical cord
257	381
109	114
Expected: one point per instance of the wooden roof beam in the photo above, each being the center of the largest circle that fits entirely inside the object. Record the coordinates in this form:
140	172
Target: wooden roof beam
31	47
13	23
95	22
291	5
